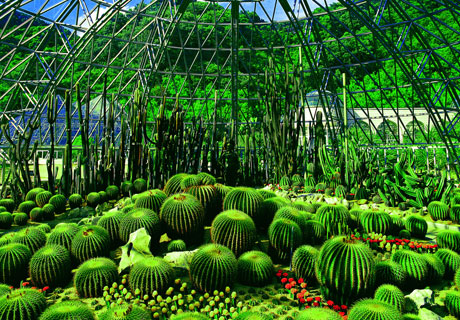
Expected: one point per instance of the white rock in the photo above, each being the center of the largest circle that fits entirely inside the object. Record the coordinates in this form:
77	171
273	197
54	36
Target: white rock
420	298
180	259
427	314
137	248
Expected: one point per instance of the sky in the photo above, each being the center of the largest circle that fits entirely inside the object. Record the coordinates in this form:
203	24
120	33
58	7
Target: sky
35	6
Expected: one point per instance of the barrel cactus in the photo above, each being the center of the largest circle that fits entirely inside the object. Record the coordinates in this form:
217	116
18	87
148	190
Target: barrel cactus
436	268
59	202
333	217
349	261
183	216
93	275
68	310
173	184
268	209
32	237
93	199
314	232
177	245
389	272
414	265
6	238
104	196
376	221
457	279
36	214
50	266
63	235
417	226
139	185
303	206
438	210
44	227
207	195
20	218
454	213
451	261
6	220
235	230
206	178
452	303
48	211
125	312
150	274
26	206
373	309
390	294
248	315
43	198
152	199
397	224
22	304
8	204
14	260
449	239
189	181
266	194
110	221
255	268
112	192
318	313
285	236
293	214
213	267
126	188
304	262
141	218
75	200
32	194
244	199
90	242
4	289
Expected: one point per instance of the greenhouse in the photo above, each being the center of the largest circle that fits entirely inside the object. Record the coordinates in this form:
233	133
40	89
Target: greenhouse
234	159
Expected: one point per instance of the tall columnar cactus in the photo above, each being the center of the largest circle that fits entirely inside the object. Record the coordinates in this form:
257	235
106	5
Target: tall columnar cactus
93	275
183	216
22	304
333	217
68	310
417	226
285	236
376	221
50	266
90	242
32	237
451	261
414	265
304	262
255	268
235	230
213	267
151	199
150	274
449	239
141	218
374	309
14	260
438	210
349	261
390	294
244	199
63	235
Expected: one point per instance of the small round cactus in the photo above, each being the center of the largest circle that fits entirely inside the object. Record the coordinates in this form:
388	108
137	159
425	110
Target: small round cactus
438	210
125	312
63	235
452	303
22	304
417	226
376	221
177	245
126	188
50	266
59	202
93	199
32	237
304	262
183	216
68	310
350	261
75	200
8	204
414	265
20	218
390	294
111	222
255	268
43	198
141	218
436	268
93	275
32	194
449	239
150	274
318	313
284	235
235	230
451	261
90	242
173	184
112	192
48	211
36	214
6	220
139	185
103	196
373	309
14	260
245	199
152	199
26	206
213	267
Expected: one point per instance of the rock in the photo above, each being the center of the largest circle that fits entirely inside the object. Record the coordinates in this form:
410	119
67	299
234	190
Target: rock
331	200
418	298
137	248
364	207
180	259
82	212
427	314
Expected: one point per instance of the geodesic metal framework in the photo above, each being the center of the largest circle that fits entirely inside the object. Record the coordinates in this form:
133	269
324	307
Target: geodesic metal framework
202	53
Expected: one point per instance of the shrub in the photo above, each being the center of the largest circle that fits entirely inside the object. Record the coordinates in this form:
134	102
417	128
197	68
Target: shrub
50	266
21	304
63	235
349	261
255	268
93	275
417	226
14	260
235	230
90	242
373	309
75	201
213	267
31	237
42	198
150	274
68	310
304	262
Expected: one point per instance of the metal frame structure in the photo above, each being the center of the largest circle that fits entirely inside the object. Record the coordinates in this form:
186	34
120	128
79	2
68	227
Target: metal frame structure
114	45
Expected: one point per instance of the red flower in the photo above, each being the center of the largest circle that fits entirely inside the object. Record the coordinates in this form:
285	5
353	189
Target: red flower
46	288
294	290
318	298
278	274
11	287
341	313
25	284
344	307
330	303
284	280
309	299
300	280
302	300
291	279
287	286
316	304
280	271
336	308
307	307
300	295
293	283
285	274
303	285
